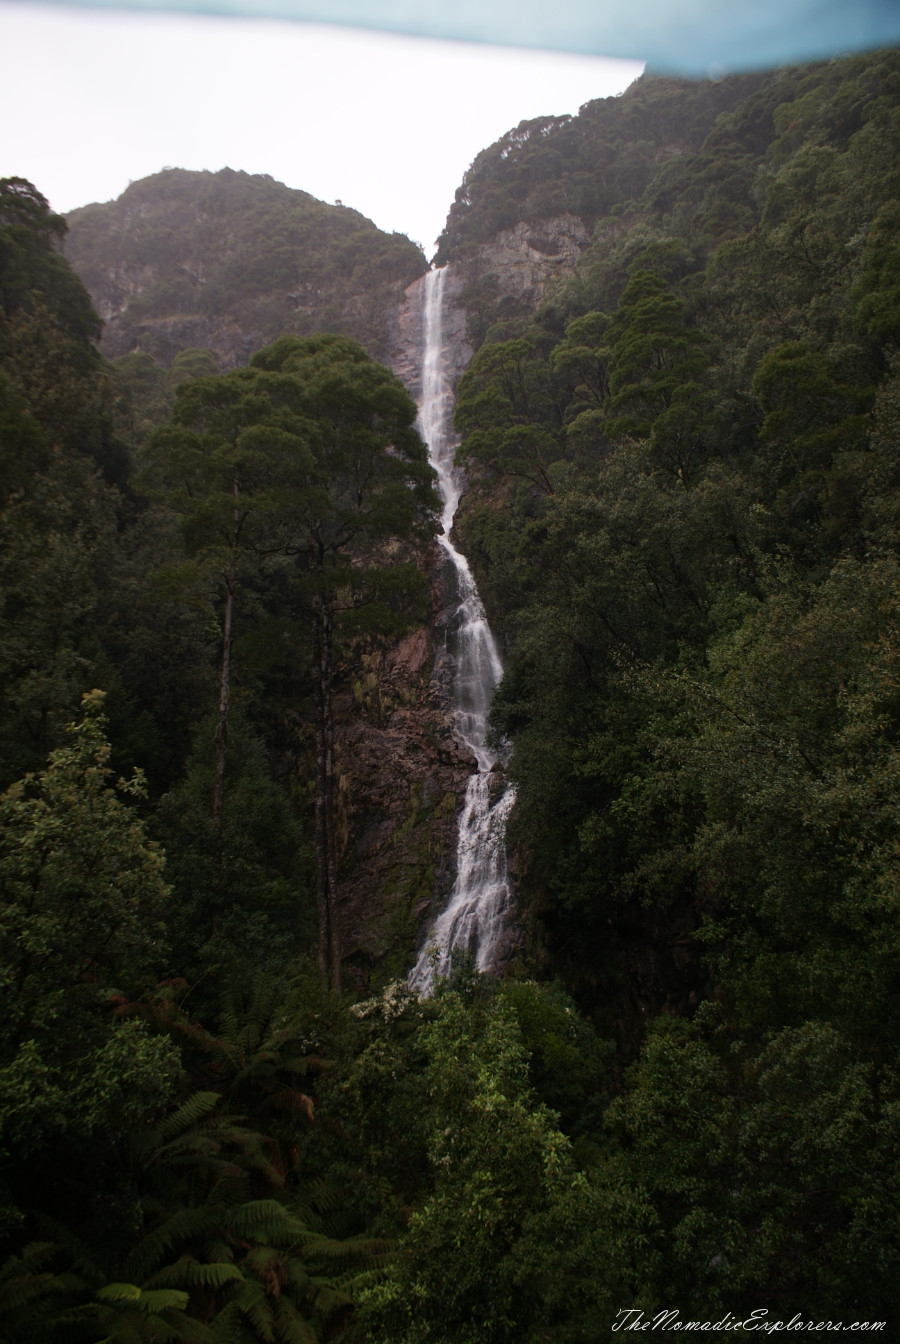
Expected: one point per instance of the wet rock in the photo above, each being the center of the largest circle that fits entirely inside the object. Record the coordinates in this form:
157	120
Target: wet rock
526	259
402	784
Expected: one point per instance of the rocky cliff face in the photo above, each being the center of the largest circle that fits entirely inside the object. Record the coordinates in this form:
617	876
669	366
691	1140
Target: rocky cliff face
526	259
407	337
401	782
402	774
165	336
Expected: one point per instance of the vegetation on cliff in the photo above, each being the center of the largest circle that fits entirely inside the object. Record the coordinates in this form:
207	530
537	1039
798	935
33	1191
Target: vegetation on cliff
682	514
589	164
192	265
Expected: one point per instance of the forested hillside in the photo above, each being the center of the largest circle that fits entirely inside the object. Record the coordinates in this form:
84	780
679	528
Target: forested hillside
238	255
682	512
223	1116
223	263
588	164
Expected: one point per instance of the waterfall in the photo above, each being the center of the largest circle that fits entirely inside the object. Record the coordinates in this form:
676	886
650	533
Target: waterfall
475	917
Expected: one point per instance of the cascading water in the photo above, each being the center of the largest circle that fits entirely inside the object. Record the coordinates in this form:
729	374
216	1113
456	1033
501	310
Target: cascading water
475	917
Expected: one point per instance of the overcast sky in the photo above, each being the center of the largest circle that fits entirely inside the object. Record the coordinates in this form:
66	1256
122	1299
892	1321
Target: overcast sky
91	99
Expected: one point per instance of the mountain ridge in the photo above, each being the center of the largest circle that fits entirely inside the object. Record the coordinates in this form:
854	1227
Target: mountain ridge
230	260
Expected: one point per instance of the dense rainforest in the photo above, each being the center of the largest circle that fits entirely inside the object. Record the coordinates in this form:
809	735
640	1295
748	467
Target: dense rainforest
682	511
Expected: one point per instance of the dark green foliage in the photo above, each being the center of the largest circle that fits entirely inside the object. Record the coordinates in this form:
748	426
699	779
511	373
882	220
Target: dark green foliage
32	269
74	599
762	1174
145	391
500	1244
588	164
57	541
242	892
307	463
701	690
682	508
50	370
123	1218
693	406
654	358
83	904
505	407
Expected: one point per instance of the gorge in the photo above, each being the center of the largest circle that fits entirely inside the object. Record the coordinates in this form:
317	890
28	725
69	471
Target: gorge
477	914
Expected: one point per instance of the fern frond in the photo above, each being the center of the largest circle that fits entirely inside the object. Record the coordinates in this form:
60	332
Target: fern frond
253	1303
188	1273
326	1297
263	1259
127	1321
19	1293
228	1188
227	1326
29	1259
291	1326
269	1221
297	1276
200	1037
22	1279
325	1198
154	1300
180	1227
187	1115
219	1253
329	1249
375	1248
190	1331
120	1292
78	1250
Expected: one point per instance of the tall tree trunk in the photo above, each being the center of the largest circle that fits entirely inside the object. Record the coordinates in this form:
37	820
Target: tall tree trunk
326	861
320	833
224	694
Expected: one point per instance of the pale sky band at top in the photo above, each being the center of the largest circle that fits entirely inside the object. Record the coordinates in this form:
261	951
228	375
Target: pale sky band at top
687	37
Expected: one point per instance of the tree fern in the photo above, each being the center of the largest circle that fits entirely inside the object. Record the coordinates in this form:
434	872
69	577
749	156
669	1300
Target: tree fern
27	1288
291	1326
254	1304
187	1116
227	1328
180	1228
267	1219
187	1272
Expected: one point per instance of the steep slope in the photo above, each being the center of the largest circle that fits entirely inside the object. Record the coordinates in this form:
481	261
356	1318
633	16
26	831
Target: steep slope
585	165
667	432
231	260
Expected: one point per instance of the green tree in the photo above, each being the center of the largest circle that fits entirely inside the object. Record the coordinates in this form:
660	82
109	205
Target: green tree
654	354
83	888
82	899
505	1241
505	410
242	890
814	420
309	456
223	466
757	1173
368	487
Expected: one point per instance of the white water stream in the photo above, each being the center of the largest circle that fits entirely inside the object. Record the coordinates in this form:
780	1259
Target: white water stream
475	916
